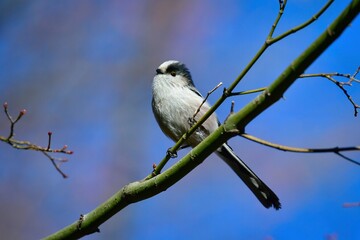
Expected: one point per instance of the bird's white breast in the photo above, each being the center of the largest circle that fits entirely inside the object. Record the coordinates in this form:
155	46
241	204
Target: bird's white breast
174	104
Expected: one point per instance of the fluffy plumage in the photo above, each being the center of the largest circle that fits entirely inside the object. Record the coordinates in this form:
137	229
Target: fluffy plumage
175	99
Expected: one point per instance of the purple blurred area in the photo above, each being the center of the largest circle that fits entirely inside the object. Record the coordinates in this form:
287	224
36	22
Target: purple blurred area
83	70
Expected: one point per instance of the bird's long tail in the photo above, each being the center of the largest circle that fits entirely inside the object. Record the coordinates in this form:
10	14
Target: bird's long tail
265	195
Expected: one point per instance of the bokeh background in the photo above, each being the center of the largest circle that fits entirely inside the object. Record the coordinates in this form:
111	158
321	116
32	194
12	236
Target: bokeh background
83	70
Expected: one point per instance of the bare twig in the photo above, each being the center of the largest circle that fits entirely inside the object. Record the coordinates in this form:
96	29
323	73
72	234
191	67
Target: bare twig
247	92
335	150
347	158
49	142
56	165
270	39
12	122
192	119
330	76
26	145
282	4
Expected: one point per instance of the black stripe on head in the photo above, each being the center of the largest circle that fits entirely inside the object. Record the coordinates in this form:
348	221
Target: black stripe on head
180	69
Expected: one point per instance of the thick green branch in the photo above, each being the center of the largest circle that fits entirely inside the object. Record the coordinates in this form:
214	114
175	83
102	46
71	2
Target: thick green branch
141	190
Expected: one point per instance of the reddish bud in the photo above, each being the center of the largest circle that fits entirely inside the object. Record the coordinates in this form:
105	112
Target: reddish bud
49	133
22	112
5	105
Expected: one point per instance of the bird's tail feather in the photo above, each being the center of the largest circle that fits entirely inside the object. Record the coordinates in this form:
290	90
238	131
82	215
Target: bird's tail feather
265	195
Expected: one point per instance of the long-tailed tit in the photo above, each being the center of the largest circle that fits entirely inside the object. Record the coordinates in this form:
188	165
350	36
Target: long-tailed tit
175	100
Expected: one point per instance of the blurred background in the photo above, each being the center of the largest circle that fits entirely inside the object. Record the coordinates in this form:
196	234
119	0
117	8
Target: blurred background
83	70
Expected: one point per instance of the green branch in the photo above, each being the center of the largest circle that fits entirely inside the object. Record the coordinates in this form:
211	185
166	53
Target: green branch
276	90
137	191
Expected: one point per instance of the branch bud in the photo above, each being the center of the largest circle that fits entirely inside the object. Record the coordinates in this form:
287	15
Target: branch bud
22	112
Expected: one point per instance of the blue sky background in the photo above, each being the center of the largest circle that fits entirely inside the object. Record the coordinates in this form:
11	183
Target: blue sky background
83	70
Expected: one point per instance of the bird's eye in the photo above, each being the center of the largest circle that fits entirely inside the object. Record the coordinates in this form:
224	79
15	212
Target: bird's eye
173	73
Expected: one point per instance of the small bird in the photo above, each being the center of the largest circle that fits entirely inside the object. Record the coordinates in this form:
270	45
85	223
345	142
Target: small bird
175	100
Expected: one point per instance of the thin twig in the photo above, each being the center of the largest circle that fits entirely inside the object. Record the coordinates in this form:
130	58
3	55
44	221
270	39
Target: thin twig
26	145
330	76
192	120
247	92
347	158
49	141
12	122
57	166
354	75
335	150
282	4
301	26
